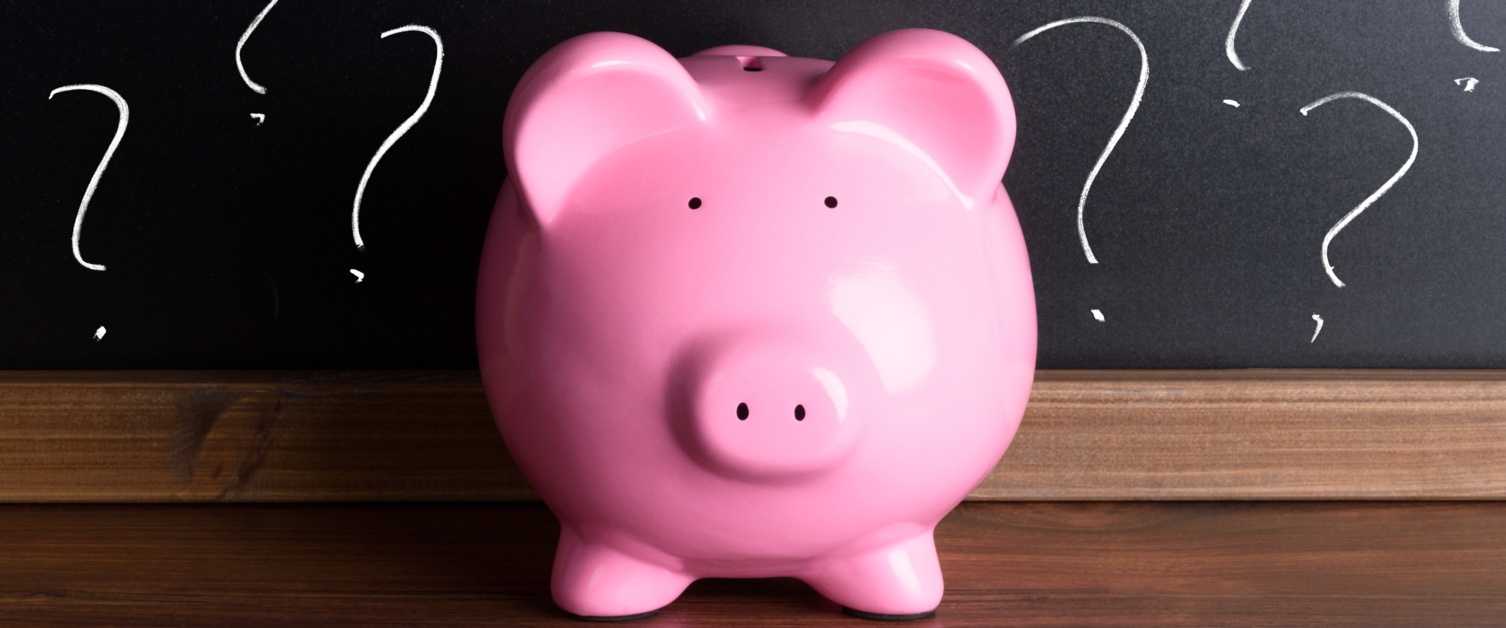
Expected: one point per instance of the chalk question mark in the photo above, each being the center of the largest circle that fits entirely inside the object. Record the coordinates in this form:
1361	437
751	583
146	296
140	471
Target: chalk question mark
120	129
239	65
1244	5
1129	114
1344	222
355	212
1458	29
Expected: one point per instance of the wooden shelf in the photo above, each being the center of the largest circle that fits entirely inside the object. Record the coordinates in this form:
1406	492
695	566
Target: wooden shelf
1015	564
428	436
306	452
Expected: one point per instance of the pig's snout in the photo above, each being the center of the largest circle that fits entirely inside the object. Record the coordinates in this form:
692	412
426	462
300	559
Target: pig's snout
769	412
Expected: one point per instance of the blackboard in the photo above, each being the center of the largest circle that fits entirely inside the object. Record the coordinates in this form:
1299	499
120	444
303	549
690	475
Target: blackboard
227	237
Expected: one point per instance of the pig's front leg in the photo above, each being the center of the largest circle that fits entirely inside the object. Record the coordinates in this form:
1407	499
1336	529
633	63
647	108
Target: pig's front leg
898	580
595	581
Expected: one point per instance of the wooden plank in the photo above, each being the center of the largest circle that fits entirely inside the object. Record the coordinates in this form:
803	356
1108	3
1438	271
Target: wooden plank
1014	564
1088	435
199	436
1258	434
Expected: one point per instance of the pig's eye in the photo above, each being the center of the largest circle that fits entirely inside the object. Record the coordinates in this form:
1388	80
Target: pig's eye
695	202
742	411
799	412
831	201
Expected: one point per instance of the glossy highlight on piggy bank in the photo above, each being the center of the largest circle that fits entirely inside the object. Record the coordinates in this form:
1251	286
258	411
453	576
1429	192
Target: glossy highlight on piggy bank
748	315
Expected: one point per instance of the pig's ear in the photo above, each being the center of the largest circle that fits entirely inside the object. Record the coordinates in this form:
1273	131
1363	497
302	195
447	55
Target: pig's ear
581	101
930	92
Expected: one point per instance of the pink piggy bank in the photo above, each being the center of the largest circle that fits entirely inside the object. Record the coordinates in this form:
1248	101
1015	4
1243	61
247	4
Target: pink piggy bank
747	315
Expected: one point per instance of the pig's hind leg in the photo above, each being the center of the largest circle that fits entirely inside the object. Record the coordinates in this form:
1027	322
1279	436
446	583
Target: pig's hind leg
594	581
900	580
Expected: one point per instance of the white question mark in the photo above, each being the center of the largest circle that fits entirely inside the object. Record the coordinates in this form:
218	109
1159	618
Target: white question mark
255	87
1458	29
1343	222
355	212
120	129
1129	114
1244	5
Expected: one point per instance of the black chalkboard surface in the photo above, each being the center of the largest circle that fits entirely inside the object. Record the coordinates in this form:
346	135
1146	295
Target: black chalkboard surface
224	217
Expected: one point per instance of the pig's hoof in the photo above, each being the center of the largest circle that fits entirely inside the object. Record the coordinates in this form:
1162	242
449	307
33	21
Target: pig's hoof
883	617
596	581
610	618
894	581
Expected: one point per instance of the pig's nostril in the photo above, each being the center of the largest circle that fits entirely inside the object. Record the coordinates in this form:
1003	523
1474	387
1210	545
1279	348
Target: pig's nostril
742	411
799	413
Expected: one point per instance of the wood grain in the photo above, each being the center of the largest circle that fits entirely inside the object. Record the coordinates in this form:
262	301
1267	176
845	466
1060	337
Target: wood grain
256	436
428	436
1258	434
1006	564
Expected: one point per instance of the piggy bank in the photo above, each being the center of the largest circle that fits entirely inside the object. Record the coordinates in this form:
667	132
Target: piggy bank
745	315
